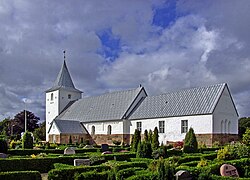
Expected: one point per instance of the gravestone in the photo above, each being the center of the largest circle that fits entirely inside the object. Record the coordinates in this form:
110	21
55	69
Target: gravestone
228	170
69	150
107	152
183	175
2	155
88	146
79	162
105	147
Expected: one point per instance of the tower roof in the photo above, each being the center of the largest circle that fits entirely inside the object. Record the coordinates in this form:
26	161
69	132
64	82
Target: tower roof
63	80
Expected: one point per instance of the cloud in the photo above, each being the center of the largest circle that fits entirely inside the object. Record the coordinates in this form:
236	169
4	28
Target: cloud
164	46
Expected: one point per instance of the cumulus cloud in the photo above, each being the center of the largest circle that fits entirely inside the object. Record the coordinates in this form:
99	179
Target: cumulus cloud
204	43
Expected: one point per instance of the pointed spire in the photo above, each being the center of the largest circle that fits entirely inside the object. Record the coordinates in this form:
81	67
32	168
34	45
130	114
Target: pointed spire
63	79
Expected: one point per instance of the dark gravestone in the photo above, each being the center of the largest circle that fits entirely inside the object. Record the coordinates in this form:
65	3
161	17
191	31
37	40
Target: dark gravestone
183	175
105	147
79	162
2	155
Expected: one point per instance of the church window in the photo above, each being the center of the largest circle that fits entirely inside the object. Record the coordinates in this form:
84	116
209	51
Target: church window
184	126
51	96
109	129
93	130
69	96
138	126
161	126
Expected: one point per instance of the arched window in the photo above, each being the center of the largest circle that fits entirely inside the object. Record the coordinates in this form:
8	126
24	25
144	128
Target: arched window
222	127
93	130
109	129
51	96
228	127
225	130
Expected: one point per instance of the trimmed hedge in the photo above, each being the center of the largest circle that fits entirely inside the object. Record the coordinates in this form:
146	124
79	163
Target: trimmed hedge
17	175
119	156
125	173
35	164
130	165
146	175
70	173
92	175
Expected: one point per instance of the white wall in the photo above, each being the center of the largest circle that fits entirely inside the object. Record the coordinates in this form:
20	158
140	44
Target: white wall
102	127
54	129
201	124
64	100
225	111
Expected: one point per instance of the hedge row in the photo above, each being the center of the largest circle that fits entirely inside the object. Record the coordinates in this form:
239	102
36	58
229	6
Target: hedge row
189	158
144	175
35	164
92	175
17	175
23	152
125	173
70	173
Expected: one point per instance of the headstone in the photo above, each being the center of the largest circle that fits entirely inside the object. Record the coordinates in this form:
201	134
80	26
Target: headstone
228	170
183	175
122	151
2	155
69	150
88	146
107	152
79	162
105	147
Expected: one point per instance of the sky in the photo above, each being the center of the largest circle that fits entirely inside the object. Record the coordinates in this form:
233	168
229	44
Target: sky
115	44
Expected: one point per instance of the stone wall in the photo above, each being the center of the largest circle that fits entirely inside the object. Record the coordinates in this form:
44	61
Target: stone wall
76	138
108	139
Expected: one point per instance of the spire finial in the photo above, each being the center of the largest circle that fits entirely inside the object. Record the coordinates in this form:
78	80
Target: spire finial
64	56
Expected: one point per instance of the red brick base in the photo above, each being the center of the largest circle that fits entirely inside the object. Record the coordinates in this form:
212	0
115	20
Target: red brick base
108	139
64	138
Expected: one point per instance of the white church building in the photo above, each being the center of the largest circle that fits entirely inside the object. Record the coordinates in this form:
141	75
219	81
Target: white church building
209	110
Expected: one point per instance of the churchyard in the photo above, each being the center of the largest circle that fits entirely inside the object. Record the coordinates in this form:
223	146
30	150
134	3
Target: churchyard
143	159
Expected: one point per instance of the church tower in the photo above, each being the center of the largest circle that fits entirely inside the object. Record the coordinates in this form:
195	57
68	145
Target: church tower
58	97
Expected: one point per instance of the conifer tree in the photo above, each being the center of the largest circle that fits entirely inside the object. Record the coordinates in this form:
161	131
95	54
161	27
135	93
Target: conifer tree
190	142
150	135
155	139
136	140
70	139
27	141
146	139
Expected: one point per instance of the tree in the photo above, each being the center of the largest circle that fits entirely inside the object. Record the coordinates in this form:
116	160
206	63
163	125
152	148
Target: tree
190	142
5	127
244	123
155	139
40	132
150	135
135	140
146	135
144	150
70	139
19	121
27	140
3	146
246	137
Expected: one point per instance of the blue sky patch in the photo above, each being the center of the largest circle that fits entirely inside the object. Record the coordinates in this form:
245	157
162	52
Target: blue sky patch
111	46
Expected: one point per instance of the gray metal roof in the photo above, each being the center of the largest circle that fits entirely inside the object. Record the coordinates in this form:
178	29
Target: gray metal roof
109	106
70	127
63	80
201	100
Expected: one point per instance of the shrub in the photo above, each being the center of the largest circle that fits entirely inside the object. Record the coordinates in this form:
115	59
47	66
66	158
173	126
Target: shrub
155	139
144	176
202	163
70	139
125	173
3	146
144	150
178	144
27	141
146	135
246	137
27	175
164	169
190	142
93	175
117	143
136	138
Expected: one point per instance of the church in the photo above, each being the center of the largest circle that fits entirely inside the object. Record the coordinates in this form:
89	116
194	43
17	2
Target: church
209	110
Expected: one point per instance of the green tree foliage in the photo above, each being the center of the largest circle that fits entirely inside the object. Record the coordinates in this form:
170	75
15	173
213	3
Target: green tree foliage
136	139
190	142
246	137
155	139
5	127
40	132
244	123
150	135
146	135
27	142
165	170
19	120
3	146
144	150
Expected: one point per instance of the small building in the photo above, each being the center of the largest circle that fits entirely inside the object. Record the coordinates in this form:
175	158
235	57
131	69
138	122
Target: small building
209	110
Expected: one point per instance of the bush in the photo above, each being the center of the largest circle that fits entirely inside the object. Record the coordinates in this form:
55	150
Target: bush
136	138
144	176
3	146
155	139
125	173
144	150
190	142
93	175
117	143
27	141
27	175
